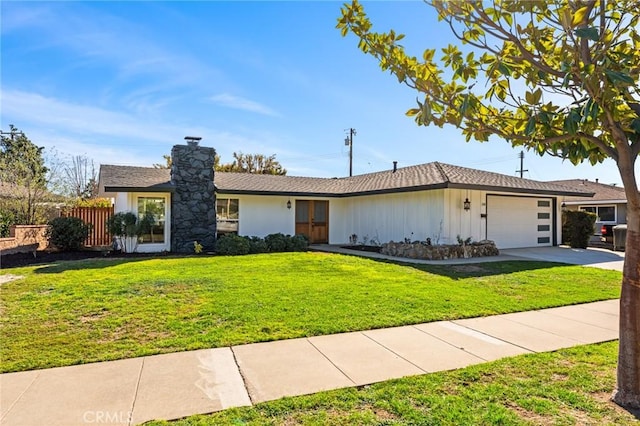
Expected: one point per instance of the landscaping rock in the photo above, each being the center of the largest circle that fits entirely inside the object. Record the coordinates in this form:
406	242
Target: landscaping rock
420	250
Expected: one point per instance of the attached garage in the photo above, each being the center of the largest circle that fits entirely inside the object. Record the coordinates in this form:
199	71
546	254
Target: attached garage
514	222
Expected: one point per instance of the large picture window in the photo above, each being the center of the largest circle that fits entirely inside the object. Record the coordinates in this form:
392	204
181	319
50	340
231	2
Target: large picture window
227	215
604	213
151	216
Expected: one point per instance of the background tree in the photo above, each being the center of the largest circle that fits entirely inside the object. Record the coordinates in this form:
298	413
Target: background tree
81	177
558	77
253	163
165	165
242	163
71	176
23	177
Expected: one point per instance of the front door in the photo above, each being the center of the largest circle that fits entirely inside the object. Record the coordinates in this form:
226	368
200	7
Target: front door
312	220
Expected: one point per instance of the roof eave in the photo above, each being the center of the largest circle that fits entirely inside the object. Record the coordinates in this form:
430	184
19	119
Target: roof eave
396	190
578	202
283	193
155	188
333	194
519	190
417	188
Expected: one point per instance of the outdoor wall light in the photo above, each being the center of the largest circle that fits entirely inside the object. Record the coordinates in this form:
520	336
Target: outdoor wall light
289	204
466	204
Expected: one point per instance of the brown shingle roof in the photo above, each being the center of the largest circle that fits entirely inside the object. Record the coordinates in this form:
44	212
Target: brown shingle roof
274	184
602	192
130	178
412	178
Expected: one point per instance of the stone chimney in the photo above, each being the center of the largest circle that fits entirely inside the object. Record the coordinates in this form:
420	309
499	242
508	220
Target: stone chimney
193	204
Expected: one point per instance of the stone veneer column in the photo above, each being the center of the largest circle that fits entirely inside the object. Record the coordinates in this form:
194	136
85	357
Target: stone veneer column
193	204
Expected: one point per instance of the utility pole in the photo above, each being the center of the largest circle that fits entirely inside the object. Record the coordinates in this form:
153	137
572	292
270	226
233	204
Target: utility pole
521	171
13	133
348	141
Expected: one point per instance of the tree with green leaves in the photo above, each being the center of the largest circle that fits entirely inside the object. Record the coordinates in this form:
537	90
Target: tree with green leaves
558	77
24	174
253	163
242	163
167	163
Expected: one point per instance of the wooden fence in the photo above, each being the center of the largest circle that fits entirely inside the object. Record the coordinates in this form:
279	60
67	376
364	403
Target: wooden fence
97	217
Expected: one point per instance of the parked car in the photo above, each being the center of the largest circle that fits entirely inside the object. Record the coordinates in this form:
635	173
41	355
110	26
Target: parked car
606	234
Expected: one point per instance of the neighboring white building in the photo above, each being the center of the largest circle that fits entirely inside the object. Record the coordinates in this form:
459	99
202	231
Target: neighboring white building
435	200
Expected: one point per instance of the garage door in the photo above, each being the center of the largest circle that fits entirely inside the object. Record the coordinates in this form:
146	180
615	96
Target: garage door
514	222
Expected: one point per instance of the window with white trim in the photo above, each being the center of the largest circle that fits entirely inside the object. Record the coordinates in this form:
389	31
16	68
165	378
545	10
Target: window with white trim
151	213
604	213
227	215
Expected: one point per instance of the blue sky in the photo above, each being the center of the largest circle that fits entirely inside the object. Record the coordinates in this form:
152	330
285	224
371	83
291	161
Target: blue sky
121	82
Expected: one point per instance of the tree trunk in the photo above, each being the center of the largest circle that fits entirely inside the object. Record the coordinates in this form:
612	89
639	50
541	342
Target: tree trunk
627	393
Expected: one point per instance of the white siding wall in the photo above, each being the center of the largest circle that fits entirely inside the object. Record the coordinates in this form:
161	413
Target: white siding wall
262	215
436	214
387	217
128	202
339	226
465	223
121	202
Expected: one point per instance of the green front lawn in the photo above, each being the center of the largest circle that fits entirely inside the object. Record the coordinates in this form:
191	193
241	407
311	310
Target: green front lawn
86	311
568	387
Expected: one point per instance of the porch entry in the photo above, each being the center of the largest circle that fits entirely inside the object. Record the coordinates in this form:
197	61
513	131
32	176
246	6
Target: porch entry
312	220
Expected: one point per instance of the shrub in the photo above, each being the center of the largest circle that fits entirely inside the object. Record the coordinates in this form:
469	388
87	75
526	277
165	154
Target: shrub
232	245
297	243
577	227
276	242
92	202
67	233
257	245
7	220
123	226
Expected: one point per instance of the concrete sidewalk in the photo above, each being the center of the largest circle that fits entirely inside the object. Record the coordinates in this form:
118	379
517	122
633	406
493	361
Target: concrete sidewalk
175	385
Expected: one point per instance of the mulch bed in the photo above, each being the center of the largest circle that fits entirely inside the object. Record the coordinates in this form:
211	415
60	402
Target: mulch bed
27	259
361	247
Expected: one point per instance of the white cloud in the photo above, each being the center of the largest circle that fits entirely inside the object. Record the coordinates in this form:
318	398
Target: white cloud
244	104
22	106
114	137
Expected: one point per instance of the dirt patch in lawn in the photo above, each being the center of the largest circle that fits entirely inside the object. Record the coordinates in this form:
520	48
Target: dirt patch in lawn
9	277
605	397
530	416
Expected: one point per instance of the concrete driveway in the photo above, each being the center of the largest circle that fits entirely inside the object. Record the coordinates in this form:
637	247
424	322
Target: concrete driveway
598	258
